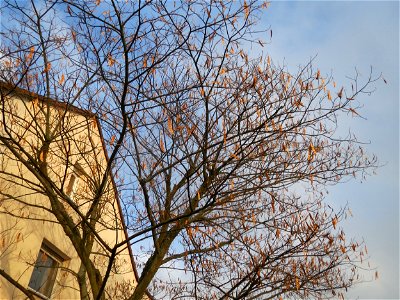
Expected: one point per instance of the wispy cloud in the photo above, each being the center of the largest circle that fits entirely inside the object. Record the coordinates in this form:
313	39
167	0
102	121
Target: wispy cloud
344	36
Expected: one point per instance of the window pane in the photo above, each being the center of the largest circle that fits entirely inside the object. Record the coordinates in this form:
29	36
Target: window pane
71	185
44	274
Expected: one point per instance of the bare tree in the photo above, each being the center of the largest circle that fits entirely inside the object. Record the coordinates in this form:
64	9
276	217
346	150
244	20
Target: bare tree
221	160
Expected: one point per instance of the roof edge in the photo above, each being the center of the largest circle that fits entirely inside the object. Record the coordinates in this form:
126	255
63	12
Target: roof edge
12	89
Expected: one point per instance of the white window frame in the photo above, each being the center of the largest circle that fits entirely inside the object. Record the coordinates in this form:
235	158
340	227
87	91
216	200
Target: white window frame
74	180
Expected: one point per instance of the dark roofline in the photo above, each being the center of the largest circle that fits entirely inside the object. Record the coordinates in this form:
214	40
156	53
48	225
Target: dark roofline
12	89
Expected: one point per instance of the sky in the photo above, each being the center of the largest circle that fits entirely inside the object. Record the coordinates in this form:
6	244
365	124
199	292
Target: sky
344	35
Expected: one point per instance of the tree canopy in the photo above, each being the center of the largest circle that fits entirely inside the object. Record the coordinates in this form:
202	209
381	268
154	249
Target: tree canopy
221	158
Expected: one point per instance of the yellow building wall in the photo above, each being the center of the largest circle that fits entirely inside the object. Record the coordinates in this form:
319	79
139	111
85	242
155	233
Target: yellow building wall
24	220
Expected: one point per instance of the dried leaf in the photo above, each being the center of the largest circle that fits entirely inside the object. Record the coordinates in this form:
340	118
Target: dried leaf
47	68
73	35
297	283
110	60
311	152
246	9
162	147
31	52
233	155
112	140
170	128
62	79
334	222
208	62
353	111
329	96
340	94
258	111
224	137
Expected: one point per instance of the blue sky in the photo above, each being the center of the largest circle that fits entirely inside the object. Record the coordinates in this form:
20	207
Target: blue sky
347	35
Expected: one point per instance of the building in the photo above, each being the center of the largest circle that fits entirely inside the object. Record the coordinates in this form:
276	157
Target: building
54	199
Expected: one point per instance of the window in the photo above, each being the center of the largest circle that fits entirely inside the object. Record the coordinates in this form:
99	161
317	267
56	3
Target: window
74	180
45	271
72	185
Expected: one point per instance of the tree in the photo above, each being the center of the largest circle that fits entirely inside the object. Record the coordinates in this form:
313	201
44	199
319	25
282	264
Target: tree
221	160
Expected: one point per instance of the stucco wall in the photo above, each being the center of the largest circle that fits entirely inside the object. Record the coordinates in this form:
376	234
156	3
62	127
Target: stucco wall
24	217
